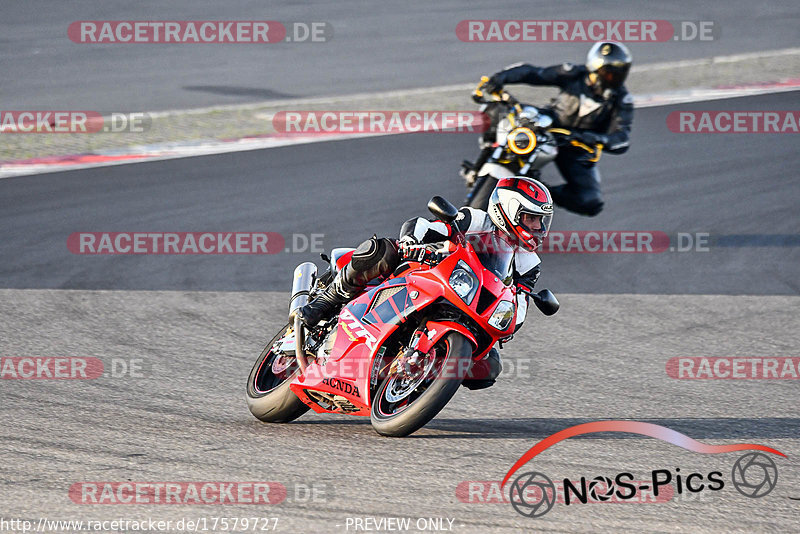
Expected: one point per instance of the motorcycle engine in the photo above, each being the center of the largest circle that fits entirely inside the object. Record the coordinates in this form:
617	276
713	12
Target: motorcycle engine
325	348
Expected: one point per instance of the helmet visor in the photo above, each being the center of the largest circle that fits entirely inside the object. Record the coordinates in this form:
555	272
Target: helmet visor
535	223
532	228
613	76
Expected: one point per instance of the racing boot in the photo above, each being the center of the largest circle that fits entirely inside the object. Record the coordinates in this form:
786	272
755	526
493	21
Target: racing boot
483	373
338	292
373	258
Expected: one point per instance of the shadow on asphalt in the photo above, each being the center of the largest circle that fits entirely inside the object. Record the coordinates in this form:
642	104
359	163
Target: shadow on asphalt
697	428
540	428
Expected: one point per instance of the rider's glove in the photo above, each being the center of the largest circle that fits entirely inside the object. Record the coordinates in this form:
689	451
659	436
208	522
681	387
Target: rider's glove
407	240
407	245
527	281
410	249
419	253
492	85
469	176
589	137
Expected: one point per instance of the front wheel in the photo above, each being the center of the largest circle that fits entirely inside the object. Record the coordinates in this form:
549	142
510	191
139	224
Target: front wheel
268	395
414	392
482	192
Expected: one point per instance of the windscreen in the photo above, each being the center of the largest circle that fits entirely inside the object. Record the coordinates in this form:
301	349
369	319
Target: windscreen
495	253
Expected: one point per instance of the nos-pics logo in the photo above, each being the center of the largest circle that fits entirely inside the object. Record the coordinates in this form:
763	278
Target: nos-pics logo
533	494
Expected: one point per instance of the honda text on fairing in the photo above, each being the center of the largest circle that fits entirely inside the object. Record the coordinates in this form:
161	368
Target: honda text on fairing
519	142
399	351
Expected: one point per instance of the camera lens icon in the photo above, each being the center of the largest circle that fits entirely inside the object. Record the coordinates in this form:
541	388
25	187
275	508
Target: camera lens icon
754	475
532	494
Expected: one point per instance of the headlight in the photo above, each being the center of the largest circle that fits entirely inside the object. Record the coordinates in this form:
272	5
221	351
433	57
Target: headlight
464	282
502	315
521	141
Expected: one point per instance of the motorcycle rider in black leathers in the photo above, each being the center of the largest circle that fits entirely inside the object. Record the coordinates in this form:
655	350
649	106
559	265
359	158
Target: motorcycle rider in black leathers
520	209
594	104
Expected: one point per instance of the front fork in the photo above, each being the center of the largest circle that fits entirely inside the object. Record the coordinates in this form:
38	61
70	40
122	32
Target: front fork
409	358
469	171
300	344
478	183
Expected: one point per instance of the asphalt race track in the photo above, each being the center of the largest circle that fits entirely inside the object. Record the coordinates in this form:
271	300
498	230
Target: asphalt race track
343	191
372	49
183	418
181	415
172	338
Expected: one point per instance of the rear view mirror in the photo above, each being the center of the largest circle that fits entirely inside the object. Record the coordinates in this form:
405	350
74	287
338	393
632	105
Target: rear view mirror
546	302
442	209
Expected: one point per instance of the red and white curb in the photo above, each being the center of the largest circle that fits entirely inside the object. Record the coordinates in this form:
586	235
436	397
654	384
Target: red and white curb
157	152
163	151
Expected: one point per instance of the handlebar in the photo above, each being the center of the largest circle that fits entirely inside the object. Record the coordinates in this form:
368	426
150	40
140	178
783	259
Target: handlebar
431	253
423	253
480	97
569	137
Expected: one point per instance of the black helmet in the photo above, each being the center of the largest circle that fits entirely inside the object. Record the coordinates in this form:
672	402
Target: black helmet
608	63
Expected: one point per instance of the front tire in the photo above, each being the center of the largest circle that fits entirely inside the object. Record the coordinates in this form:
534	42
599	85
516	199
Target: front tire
480	197
398	418
268	395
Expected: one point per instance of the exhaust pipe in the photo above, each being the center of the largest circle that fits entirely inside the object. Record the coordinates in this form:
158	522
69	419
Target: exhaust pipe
304	276
299	343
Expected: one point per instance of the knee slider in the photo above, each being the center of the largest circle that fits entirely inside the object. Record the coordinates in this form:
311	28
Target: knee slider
375	257
368	254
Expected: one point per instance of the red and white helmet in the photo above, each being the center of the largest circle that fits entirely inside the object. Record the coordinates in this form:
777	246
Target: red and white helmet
515	196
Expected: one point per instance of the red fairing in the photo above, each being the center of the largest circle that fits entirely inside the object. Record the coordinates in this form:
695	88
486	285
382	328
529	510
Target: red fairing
368	322
344	260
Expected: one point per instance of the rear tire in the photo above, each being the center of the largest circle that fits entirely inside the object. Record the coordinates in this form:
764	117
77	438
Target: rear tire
402	421
268	395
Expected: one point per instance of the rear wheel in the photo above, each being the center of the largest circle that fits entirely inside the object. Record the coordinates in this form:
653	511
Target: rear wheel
268	395
415	391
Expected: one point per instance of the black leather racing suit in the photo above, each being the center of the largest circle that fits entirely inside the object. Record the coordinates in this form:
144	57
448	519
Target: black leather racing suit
578	107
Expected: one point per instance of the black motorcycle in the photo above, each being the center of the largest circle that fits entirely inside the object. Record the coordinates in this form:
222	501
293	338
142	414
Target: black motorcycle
520	141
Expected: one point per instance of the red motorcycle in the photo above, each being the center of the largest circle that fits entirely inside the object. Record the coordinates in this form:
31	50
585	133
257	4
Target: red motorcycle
399	351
